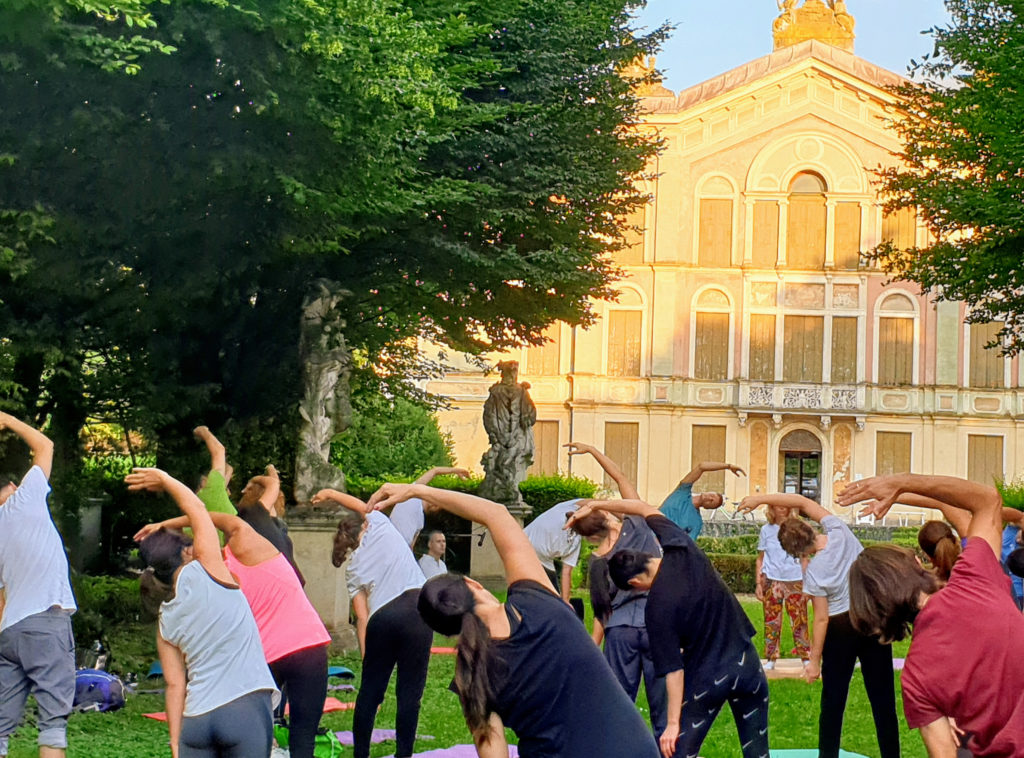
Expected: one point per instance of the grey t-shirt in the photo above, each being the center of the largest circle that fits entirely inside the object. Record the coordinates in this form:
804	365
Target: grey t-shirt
828	573
628	606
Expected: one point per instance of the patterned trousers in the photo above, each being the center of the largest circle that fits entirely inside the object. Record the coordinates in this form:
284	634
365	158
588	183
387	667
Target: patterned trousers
788	595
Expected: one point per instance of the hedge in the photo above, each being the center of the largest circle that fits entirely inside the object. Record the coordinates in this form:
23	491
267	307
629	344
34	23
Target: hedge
738	571
742	545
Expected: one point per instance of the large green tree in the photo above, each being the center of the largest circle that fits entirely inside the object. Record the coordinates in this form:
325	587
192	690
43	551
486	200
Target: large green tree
962	126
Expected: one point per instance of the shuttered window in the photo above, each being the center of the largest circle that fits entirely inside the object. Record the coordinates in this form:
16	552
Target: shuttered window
632	254
984	458
711	351
892	453
900	228
802	349
895	351
708	444
544	359
844	350
765	252
624	329
805	232
715	241
621	444
762	348
847	235
546	448
986	363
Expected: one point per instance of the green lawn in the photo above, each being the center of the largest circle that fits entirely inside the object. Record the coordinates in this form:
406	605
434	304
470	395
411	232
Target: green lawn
794	714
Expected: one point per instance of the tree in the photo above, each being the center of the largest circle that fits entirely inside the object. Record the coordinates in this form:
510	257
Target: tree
963	147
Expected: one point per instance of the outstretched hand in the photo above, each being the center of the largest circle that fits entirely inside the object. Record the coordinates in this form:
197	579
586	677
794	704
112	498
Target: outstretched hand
581	512
878	493
201	432
271	471
146	480
736	470
391	494
145	531
750	503
579	448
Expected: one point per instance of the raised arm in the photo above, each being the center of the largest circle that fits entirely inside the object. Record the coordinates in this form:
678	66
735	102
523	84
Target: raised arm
516	552
428	476
271	484
958	518
218	457
627	490
38	443
634	507
343	499
248	545
205	542
706	467
805	505
983	502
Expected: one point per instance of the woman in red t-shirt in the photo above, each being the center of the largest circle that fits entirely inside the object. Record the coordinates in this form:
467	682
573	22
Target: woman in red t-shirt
964	671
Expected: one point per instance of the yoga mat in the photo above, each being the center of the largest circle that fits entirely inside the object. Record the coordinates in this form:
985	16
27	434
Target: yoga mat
810	754
377	736
461	751
442	650
340	671
331	705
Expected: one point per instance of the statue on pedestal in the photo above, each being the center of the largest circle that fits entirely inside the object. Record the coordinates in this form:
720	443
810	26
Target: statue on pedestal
325	408
509	416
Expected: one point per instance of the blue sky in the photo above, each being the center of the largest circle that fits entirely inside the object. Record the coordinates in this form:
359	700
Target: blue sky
714	36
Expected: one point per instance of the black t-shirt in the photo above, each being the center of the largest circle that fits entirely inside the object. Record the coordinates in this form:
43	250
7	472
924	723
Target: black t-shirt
694	622
555	690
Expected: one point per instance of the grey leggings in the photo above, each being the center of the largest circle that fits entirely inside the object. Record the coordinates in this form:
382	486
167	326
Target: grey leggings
243	728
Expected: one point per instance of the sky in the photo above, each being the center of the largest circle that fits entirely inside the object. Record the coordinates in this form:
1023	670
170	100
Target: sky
713	36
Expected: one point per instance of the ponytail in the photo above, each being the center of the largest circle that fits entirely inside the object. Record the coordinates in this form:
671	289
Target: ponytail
447	606
600	589
941	546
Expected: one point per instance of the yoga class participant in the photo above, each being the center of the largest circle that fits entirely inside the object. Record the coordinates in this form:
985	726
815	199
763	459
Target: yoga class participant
618	613
526	664
293	636
553	542
964	665
384	583
835	645
220	694
682	507
432	562
407	517
780	586
37	649
700	636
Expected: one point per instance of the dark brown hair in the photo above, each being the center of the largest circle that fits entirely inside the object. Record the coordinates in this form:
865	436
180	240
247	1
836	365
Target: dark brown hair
592	525
886	582
161	551
796	537
346	539
941	546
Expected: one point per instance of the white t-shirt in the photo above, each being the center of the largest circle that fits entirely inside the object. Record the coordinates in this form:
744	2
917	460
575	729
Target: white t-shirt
778	565
432	566
33	564
382	566
408	518
828	573
550	538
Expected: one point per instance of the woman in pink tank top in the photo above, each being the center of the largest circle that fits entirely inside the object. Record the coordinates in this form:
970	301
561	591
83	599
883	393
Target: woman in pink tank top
293	636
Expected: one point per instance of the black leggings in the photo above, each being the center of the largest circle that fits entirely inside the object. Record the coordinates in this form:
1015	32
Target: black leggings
843	646
395	636
243	728
302	678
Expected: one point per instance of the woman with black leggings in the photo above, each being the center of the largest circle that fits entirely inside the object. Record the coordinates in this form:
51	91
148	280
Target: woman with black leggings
384	583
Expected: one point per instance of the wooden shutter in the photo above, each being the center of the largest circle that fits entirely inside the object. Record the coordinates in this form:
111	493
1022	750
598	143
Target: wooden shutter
624	329
711	353
984	458
802	348
892	453
895	351
708	444
900	228
765	253
544	360
715	241
986	363
621	442
805	232
546	448
762	348
844	350
847	236
633	238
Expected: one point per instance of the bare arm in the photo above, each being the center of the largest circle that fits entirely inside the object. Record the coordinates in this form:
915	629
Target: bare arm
271	484
622	507
813	668
494	745
205	541
38	443
566	581
218	457
983	502
517	554
627	490
173	664
938	739
674	683
706	467
353	504
248	545
428	476
598	634
362	611
805	505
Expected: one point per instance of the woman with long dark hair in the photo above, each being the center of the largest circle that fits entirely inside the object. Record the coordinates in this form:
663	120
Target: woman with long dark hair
527	664
384	583
220	693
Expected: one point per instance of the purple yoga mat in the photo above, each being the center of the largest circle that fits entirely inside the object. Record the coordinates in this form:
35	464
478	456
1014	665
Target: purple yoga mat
461	751
376	736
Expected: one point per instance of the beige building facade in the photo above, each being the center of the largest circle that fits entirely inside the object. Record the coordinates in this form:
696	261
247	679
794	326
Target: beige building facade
748	327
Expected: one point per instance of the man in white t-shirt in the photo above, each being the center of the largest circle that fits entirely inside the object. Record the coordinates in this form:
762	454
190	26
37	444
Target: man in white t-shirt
407	517
37	649
552	541
432	561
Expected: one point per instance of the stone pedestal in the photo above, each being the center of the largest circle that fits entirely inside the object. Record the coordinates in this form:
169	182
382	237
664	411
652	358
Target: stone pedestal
484	562
312	532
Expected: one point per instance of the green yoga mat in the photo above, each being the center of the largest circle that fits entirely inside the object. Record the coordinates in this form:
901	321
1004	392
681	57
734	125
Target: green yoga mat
813	753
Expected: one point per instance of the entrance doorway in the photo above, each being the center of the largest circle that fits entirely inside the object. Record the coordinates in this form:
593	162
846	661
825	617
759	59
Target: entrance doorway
800	465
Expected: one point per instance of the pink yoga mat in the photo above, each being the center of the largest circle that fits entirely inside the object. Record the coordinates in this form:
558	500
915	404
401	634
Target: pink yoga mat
461	751
376	737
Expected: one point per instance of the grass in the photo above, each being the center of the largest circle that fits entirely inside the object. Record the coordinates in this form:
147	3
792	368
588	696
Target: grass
126	734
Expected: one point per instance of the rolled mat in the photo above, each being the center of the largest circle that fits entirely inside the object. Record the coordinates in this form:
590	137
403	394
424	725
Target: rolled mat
442	650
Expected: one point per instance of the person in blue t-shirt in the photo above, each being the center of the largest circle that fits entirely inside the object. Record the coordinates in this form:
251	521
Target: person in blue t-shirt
682	507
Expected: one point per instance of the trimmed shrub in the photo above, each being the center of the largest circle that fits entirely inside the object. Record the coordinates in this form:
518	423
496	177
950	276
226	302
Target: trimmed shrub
738	571
544	491
743	545
1011	492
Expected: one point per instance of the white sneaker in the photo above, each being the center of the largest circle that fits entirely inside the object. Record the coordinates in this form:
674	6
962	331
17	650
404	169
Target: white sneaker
769	665
279	752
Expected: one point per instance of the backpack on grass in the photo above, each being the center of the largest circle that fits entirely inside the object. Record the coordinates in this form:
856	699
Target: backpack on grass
97	690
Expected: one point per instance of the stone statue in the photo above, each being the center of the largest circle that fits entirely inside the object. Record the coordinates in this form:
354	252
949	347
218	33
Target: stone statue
325	408
843	16
787	15
509	416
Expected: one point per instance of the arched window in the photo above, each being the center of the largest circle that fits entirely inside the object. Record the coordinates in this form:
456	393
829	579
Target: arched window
625	334
806	222
712	336
895	336
714	243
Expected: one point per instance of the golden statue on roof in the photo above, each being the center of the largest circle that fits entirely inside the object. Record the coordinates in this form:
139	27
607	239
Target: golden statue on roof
827	21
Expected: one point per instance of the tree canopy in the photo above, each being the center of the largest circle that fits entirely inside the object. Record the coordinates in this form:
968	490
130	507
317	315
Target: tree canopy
962	126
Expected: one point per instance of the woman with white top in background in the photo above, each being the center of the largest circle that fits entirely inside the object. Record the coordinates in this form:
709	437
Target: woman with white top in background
780	587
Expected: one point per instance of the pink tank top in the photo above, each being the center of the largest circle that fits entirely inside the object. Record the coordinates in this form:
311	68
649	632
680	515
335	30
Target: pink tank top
286	619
